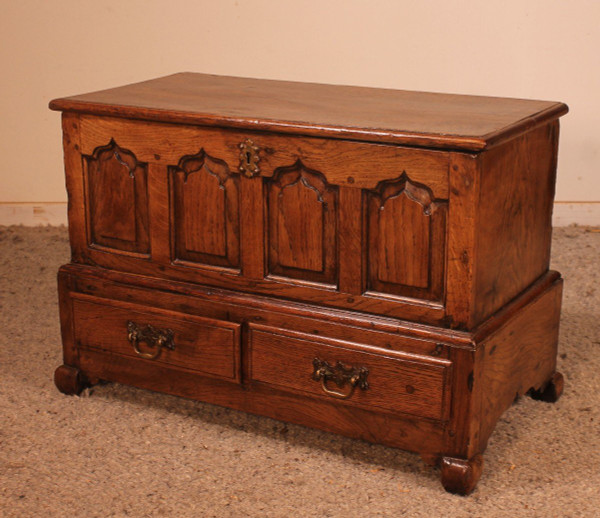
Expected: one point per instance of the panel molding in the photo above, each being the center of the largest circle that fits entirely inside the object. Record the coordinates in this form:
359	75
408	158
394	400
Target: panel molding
116	200
302	221
204	193
406	259
419	193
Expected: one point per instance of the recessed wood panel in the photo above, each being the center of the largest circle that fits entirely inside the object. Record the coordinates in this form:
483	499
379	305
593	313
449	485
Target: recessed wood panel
302	225
116	198
298	241
406	229
205	211
404	257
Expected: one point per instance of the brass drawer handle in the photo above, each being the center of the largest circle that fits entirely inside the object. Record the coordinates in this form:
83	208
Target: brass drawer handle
341	375
154	338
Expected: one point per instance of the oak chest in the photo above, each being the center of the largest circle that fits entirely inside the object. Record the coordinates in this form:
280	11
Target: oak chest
368	262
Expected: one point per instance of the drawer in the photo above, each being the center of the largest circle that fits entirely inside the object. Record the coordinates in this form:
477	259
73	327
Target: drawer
355	374
171	338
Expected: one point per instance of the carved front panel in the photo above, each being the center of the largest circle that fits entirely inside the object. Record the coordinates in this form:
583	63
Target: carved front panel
406	229
302	224
205	211
116	199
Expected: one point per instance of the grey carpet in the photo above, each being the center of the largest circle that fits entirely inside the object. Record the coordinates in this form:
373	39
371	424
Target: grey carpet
120	451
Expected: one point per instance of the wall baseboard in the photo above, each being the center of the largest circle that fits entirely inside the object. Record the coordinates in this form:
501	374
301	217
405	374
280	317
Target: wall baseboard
55	213
33	214
585	214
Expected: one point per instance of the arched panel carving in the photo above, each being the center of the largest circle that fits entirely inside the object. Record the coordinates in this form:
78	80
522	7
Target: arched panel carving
116	196
302	224
205	211
406	228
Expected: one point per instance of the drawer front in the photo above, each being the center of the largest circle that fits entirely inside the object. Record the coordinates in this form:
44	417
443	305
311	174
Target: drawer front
354	374
184	341
348	224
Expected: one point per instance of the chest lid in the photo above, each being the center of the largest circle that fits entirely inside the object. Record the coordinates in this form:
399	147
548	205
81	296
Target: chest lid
442	121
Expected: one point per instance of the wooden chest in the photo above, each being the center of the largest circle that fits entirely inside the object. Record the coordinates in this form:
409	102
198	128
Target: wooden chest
369	262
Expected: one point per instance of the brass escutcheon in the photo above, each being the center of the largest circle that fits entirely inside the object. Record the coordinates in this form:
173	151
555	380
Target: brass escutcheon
154	338
341	375
249	158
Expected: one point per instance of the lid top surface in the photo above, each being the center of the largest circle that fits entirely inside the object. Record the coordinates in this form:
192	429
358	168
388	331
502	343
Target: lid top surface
396	116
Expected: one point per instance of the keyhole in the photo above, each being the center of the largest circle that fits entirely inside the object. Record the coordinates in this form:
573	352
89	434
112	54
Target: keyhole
248	157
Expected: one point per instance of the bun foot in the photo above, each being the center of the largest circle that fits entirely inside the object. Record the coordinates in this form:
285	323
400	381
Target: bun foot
70	380
551	391
461	476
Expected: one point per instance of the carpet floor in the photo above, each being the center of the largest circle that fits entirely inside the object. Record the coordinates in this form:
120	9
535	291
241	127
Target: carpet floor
120	451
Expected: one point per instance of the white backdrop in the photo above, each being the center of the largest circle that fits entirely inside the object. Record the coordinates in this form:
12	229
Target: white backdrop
544	49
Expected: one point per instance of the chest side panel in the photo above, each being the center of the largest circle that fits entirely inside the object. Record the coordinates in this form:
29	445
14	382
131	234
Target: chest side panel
514	221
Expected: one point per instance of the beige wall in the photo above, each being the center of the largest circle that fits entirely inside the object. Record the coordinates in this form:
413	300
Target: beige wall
545	49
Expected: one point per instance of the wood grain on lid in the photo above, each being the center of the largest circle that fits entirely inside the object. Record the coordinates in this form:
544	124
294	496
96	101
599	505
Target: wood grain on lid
445	121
